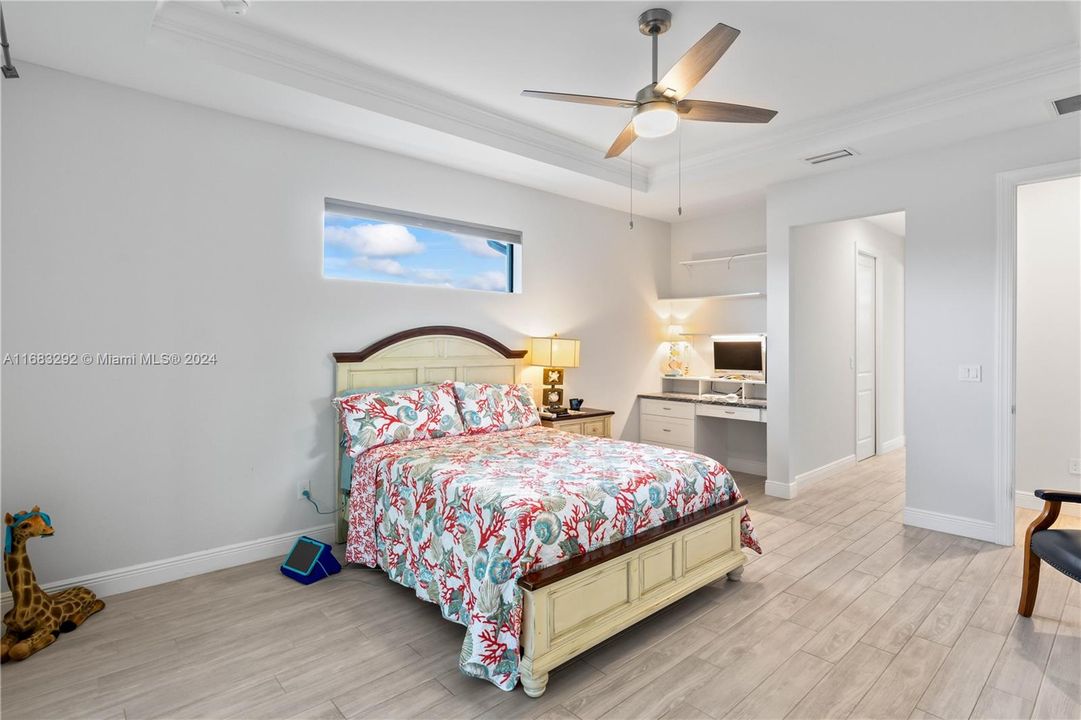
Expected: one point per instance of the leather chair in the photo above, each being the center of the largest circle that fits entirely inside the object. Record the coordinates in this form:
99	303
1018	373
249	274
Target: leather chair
1061	549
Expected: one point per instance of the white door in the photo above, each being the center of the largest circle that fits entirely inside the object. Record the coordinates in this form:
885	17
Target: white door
865	356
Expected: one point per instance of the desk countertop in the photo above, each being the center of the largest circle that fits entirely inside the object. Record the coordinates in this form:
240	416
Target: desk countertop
704	399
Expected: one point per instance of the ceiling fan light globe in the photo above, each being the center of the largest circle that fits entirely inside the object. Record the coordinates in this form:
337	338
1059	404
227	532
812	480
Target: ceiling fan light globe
655	119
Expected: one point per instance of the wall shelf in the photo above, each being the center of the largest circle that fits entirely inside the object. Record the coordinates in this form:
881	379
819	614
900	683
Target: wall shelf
724	258
708	378
729	296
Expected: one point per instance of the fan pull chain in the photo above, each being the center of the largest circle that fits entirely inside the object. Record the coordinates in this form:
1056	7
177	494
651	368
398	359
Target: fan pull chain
679	172
631	186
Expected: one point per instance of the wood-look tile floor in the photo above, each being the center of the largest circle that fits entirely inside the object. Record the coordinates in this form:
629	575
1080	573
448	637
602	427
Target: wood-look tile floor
847	614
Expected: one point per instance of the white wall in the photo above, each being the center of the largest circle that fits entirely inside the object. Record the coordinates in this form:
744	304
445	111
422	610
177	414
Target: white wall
950	274
822	272
1048	336
741	228
738	229
135	224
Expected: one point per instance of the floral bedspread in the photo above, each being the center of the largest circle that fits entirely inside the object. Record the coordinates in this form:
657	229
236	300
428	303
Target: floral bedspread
461	519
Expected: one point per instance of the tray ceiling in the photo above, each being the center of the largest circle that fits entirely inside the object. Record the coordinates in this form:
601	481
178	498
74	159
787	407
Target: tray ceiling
441	80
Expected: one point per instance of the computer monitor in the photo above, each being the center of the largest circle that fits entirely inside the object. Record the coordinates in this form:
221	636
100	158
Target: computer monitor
742	356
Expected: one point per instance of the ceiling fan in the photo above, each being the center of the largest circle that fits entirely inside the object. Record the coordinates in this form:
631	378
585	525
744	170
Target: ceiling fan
659	106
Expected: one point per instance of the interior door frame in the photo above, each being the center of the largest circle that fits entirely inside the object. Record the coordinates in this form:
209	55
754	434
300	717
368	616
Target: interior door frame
1005	361
855	348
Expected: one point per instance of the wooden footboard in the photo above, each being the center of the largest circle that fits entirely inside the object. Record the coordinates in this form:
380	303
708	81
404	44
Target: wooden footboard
571	607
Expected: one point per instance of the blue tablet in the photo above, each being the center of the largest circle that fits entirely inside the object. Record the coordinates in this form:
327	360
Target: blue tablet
310	560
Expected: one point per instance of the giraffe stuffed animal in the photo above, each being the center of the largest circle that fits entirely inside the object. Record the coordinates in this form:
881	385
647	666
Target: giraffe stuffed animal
37	617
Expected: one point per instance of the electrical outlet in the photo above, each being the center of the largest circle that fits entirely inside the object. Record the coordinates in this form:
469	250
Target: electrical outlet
303	486
1075	466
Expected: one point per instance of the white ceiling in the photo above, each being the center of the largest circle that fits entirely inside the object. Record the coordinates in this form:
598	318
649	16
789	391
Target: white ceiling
802	58
441	80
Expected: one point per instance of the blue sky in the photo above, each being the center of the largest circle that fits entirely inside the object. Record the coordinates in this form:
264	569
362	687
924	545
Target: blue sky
358	249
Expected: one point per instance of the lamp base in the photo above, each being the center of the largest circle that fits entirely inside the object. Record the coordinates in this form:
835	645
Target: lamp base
552	396
557	410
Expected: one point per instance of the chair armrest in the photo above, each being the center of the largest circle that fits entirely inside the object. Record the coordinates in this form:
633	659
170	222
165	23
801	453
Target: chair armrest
1068	496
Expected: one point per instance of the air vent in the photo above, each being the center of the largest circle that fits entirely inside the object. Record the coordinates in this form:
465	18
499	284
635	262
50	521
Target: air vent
826	157
1065	106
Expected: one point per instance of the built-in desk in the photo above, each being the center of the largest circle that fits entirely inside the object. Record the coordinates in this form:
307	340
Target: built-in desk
688	421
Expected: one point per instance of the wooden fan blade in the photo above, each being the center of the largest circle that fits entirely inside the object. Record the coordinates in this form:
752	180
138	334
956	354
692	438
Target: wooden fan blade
623	141
697	61
583	99
722	112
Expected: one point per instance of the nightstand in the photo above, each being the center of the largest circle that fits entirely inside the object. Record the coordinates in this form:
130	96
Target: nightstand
587	421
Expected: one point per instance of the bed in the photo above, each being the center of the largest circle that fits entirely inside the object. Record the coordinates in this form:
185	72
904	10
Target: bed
542	543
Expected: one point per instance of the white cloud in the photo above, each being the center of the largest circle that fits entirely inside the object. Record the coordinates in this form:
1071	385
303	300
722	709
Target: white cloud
390	266
432	275
490	280
477	246
375	240
387	266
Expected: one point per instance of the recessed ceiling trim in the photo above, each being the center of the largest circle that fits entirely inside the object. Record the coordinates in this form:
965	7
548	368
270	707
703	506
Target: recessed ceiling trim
907	108
233	43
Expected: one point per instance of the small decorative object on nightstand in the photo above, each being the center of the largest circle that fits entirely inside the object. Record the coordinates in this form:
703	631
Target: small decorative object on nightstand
587	421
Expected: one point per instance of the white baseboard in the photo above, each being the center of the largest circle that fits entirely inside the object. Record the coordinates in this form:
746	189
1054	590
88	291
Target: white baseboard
895	444
952	524
746	465
1025	499
133	577
803	481
780	489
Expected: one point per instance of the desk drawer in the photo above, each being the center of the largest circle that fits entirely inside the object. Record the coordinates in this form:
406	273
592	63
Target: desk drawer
668	431
667	408
731	413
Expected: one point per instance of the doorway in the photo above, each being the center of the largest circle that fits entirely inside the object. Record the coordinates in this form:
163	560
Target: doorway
1048	339
1008	491
846	354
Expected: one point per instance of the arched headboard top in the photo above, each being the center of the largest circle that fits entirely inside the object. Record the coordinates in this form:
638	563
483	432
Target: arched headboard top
431	354
428	331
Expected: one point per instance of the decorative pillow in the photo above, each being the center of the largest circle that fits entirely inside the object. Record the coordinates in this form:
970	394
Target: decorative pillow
488	408
382	417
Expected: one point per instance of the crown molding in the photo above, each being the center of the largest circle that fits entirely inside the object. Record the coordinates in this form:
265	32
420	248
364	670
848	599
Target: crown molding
904	109
227	40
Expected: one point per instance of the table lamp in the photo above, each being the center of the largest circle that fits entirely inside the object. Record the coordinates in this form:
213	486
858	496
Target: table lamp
675	364
554	354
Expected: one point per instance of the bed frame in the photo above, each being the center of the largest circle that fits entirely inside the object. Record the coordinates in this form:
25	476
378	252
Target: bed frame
570	607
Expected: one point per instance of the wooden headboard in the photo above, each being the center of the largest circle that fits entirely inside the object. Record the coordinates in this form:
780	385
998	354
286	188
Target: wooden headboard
432	354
